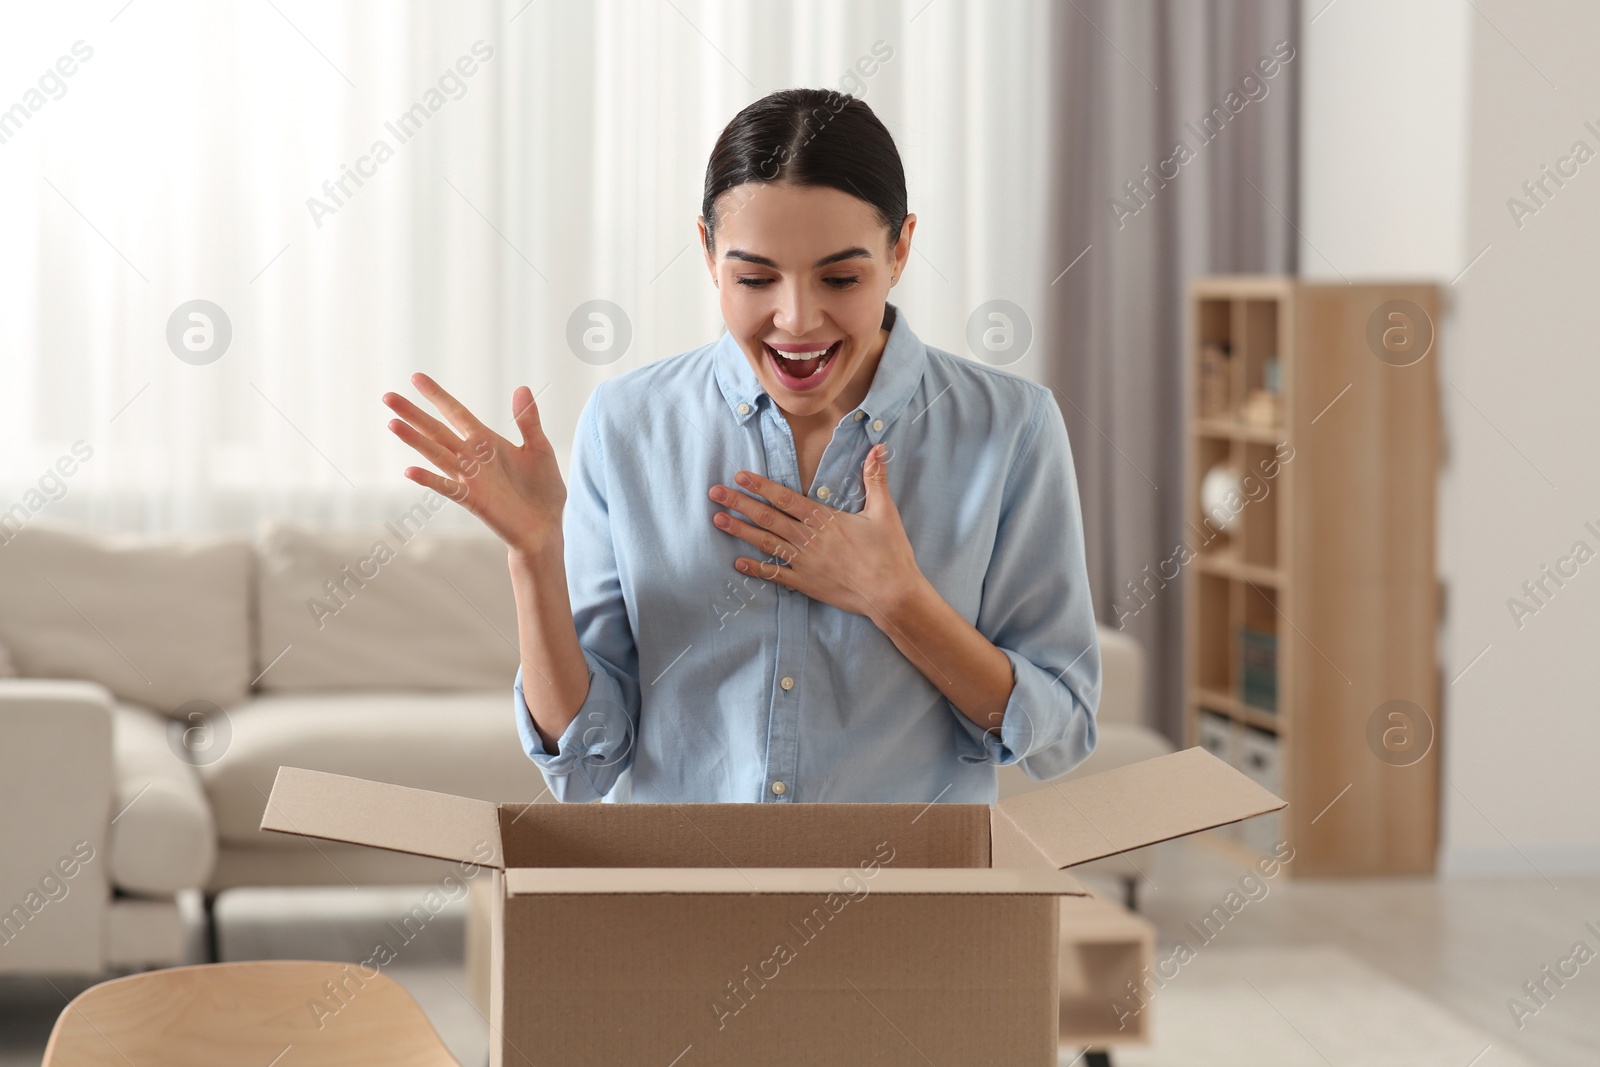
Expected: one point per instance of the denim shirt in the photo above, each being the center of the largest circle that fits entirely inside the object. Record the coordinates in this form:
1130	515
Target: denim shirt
709	685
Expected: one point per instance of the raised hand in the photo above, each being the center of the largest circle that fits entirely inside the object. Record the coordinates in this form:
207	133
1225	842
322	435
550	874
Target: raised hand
516	490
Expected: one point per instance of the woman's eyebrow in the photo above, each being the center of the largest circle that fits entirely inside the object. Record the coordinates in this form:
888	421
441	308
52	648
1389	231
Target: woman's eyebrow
751	257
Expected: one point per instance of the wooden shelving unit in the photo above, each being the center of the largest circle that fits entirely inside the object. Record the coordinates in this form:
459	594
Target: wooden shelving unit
1328	558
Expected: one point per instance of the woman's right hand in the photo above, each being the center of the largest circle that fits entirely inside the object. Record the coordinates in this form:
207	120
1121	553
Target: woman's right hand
516	490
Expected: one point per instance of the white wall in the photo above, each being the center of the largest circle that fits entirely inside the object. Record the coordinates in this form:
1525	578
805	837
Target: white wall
1420	121
1383	137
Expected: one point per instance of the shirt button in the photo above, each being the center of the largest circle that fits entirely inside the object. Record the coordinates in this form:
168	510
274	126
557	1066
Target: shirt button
744	409
779	788
877	424
787	683
823	493
860	415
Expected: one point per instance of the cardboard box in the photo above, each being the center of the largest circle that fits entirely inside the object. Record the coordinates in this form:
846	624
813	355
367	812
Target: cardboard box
1106	951
689	935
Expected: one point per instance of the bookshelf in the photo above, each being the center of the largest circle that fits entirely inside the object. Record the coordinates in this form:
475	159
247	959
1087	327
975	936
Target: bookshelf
1311	601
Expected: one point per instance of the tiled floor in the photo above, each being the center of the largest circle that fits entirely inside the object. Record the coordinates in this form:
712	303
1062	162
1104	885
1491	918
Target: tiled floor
1395	973
1460	948
1303	1007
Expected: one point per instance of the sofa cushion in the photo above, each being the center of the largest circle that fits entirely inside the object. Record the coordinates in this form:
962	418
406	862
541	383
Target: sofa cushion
159	621
461	743
1121	678
388	609
1118	746
162	838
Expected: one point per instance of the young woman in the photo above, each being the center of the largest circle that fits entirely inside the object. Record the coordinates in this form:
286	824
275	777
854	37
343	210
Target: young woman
814	560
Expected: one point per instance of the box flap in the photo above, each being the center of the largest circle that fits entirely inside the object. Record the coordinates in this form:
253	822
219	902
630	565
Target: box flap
1067	823
336	807
807	881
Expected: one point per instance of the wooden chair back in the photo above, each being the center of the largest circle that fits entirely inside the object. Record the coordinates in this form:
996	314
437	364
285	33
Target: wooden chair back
302	1013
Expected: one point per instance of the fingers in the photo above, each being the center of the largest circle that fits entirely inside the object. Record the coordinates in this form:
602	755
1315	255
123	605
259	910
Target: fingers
875	468
875	472
445	458
772	572
762	514
462	419
794	505
765	540
779	496
443	486
526	413
421	420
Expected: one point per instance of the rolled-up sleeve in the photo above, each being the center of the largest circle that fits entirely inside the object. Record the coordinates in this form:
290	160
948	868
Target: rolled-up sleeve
597	746
1036	608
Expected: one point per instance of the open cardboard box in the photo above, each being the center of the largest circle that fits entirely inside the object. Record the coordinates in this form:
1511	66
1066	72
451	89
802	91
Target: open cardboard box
687	935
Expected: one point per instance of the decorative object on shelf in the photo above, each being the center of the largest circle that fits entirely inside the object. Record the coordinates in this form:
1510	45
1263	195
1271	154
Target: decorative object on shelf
1221	483
1216	386
1264	410
1258	668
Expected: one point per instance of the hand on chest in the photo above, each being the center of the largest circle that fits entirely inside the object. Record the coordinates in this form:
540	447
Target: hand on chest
851	541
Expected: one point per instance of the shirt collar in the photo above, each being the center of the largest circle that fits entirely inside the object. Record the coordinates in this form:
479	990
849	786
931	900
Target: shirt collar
896	379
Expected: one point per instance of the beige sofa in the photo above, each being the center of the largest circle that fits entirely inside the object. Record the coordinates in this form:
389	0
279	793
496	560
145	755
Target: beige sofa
154	686
163	681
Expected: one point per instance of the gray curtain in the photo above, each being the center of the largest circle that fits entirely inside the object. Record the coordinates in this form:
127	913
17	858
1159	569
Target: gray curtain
1129	82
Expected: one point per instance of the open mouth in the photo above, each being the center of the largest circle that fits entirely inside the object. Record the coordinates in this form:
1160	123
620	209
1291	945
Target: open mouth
802	370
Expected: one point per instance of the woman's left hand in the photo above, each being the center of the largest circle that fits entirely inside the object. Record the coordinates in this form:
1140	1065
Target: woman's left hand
861	563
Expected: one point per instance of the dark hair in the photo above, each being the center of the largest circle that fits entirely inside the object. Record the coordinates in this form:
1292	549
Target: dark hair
817	137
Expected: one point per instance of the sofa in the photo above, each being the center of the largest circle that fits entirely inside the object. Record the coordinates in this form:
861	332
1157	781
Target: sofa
158	683
150	688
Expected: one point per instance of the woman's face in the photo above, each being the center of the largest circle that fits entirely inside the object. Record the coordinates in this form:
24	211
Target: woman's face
805	271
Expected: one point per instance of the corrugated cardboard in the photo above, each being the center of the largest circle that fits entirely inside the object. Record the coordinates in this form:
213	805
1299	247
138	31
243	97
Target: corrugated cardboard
690	935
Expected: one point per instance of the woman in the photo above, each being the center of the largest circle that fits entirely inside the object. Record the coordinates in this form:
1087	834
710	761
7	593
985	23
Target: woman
814	560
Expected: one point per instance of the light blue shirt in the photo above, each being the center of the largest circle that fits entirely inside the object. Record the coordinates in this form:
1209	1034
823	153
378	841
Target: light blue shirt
709	685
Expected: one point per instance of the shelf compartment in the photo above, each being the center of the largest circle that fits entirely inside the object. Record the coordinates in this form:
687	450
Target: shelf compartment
1225	704
1261	473
1228	564
1234	430
1216	376
1214	662
1208	534
1258	342
1258	392
1256	644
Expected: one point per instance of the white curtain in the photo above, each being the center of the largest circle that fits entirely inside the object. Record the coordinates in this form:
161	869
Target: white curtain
1131	81
558	160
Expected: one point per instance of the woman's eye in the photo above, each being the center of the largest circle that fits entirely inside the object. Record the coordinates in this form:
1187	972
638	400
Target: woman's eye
762	283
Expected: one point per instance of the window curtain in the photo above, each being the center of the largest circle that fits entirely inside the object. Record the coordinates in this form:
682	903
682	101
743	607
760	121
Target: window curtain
357	191
365	190
1172	153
